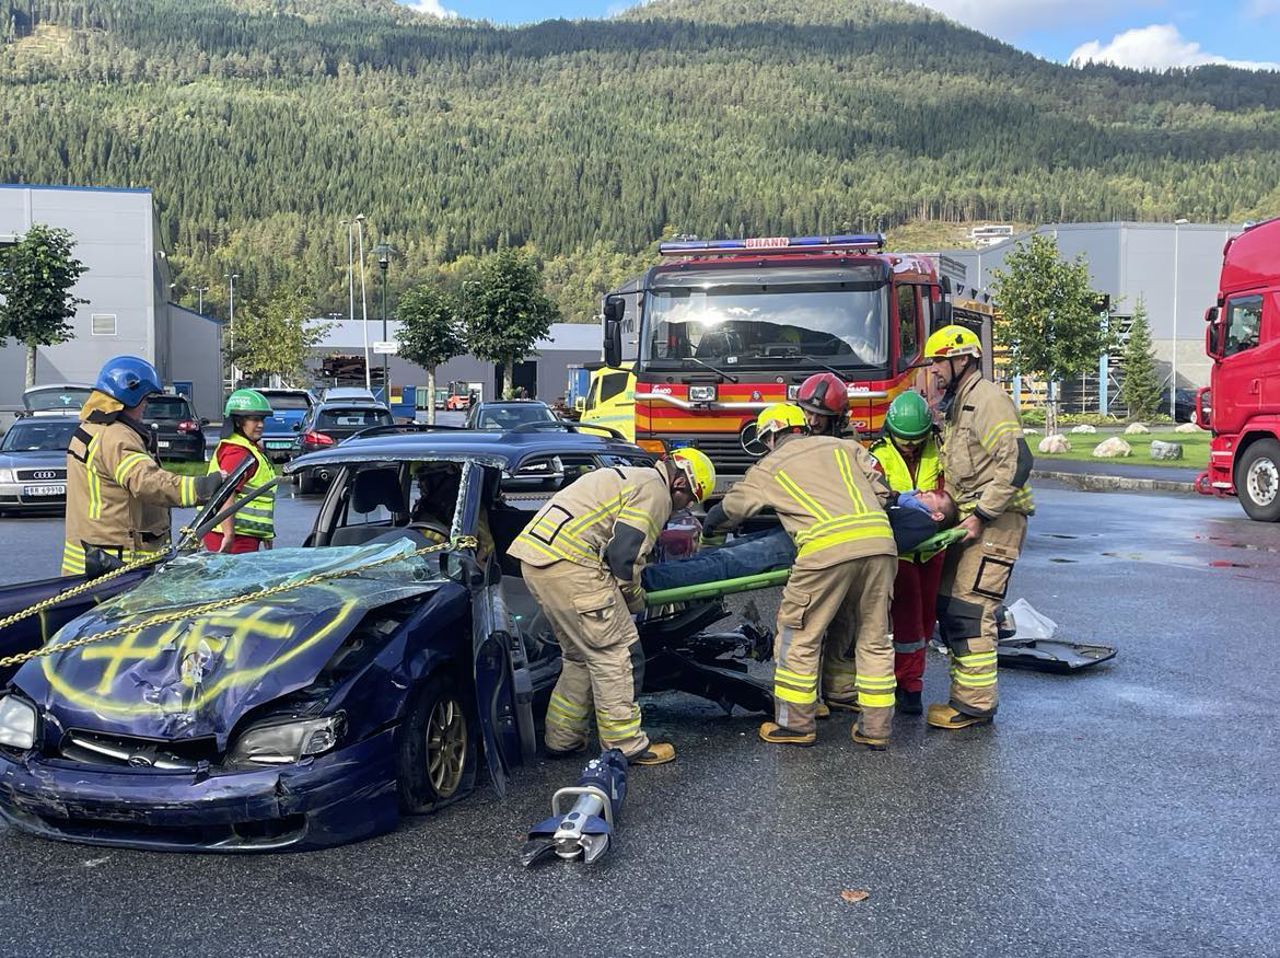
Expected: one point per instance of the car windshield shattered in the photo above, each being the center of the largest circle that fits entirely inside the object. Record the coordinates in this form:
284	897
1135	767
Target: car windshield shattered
739	318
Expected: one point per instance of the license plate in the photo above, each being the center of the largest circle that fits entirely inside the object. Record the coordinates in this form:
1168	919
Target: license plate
163	444
280	444
35	492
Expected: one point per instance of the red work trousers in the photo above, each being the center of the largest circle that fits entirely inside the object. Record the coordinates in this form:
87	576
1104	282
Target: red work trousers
915	595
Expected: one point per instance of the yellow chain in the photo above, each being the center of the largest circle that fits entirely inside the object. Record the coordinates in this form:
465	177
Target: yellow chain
77	589
462	542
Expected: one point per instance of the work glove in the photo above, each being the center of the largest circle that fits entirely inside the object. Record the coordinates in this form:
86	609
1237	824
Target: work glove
633	595
207	485
712	525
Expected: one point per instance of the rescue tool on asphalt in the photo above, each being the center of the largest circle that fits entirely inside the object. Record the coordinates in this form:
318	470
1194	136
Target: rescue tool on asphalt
585	830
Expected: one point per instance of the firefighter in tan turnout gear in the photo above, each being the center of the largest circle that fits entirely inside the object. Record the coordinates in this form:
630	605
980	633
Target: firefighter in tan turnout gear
987	464
581	557
830	498
118	495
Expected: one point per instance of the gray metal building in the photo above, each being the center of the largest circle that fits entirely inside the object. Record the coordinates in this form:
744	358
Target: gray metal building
127	286
1172	267
545	374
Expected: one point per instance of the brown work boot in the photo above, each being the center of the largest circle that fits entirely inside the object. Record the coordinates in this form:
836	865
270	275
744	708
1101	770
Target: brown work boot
822	711
658	753
781	735
945	716
875	744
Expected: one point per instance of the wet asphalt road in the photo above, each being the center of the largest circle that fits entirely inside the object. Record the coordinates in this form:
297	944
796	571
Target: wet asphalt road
1130	811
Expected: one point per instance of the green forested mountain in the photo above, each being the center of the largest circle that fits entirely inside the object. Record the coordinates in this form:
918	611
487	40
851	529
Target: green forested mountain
260	124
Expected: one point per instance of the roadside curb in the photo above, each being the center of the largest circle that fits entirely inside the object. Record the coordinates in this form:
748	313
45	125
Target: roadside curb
1102	483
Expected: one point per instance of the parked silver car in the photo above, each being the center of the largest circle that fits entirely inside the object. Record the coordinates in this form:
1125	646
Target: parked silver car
33	463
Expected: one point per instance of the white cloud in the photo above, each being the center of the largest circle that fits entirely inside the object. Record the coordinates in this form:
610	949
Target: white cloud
1262	8
431	8
1157	47
1008	18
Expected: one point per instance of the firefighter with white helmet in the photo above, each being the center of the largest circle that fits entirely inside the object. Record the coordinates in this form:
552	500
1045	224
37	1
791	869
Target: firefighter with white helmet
987	463
830	498
581	557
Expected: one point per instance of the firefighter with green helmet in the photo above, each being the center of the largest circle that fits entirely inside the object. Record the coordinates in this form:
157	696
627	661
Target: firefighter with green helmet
252	526
909	456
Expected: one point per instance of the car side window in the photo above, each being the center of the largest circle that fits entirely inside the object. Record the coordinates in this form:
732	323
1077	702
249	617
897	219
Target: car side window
593	394
908	318
612	385
1244	324
376	496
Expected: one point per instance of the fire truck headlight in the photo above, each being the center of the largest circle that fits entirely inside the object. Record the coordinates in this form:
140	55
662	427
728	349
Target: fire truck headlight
702	393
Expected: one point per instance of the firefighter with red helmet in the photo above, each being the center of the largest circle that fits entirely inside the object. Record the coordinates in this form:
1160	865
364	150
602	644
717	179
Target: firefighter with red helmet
824	397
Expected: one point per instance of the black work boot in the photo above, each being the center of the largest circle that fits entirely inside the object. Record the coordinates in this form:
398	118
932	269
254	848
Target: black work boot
908	702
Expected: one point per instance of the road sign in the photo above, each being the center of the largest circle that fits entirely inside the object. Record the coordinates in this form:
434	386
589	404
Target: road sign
386	349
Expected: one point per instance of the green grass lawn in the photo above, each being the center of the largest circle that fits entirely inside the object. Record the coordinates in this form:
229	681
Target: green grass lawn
187	468
1195	449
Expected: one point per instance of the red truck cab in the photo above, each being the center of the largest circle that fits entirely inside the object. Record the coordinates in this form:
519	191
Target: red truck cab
1241	406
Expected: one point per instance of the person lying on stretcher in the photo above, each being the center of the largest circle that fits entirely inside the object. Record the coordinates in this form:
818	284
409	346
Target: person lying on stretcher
916	517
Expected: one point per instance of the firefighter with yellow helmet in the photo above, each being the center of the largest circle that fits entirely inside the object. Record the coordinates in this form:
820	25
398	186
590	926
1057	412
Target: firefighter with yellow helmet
581	557
987	464
830	498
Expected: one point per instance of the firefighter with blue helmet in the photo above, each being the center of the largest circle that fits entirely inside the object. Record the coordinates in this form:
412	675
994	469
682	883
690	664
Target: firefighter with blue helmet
118	494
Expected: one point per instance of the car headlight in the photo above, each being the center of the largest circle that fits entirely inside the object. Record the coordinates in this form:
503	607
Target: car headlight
6	476
17	722
702	393
284	742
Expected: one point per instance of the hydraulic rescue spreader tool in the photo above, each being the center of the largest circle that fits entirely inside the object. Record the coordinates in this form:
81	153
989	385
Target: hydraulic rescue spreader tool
585	829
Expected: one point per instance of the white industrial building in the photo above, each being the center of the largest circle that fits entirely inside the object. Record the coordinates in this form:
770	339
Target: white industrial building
127	288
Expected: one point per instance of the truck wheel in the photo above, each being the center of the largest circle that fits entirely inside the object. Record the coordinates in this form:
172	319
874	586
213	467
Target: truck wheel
436	746
1258	480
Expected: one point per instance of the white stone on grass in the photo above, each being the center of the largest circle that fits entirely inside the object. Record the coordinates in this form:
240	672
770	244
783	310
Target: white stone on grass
1136	429
1187	427
1056	443
1084	429
1165	450
1113	448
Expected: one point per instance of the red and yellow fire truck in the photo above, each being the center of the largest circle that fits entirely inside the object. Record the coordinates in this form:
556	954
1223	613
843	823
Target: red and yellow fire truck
721	329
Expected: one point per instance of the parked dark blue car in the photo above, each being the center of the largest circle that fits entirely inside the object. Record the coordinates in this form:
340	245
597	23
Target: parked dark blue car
279	431
351	696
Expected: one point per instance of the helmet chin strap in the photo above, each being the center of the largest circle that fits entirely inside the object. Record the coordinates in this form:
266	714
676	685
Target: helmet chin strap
950	391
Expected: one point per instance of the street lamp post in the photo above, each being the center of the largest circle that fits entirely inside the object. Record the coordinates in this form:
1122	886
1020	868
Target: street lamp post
200	291
384	262
231	330
364	304
1173	362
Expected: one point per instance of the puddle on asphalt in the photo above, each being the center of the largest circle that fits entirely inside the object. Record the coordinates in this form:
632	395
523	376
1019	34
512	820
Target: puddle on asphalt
1171	558
1059	535
1060	559
1250	546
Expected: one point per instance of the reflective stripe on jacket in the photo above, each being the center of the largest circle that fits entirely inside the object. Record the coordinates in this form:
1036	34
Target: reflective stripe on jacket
257	516
984	455
828	496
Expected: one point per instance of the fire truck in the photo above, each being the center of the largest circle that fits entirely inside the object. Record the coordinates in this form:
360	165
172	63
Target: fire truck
1241	405
721	329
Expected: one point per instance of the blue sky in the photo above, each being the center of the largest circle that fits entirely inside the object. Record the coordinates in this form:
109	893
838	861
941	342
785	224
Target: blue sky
1138	33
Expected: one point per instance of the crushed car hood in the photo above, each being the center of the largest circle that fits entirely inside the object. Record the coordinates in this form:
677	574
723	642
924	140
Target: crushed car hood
198	675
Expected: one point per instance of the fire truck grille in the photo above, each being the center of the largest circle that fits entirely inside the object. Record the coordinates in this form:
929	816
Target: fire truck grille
725	451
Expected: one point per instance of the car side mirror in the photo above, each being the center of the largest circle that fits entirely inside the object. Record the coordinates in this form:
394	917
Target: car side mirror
615	307
945	285
942	315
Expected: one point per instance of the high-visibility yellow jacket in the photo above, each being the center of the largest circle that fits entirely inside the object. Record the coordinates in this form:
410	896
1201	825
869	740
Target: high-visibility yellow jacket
608	519
984	454
928	472
257	516
828	495
118	494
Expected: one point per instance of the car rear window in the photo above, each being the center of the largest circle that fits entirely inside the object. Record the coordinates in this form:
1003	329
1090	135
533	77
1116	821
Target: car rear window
42	400
288	402
38	437
353	416
167	409
506	417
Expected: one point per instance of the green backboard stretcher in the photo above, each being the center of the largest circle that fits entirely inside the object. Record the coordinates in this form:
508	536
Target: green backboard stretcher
767	580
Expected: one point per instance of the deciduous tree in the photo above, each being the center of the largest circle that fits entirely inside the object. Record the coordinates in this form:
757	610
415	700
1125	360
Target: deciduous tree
506	310
274	338
430	333
37	275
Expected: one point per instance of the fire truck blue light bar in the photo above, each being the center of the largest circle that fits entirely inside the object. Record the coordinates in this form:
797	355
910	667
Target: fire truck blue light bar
773	244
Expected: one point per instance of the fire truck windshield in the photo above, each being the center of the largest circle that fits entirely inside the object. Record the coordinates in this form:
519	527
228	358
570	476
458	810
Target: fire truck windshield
738	317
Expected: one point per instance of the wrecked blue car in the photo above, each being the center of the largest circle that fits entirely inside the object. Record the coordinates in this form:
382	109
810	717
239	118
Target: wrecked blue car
310	696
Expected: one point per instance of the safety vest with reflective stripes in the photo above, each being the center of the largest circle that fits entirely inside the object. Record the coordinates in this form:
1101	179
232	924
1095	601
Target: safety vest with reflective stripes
827	495
928	471
257	516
